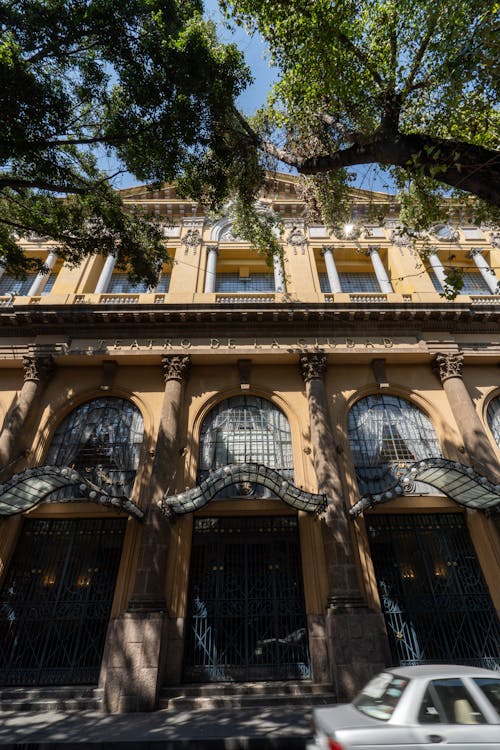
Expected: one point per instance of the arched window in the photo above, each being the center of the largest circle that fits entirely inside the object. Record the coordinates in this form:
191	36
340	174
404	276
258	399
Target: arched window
386	433
493	417
245	429
102	440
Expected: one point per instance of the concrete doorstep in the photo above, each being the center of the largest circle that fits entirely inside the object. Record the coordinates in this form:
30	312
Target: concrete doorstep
277	728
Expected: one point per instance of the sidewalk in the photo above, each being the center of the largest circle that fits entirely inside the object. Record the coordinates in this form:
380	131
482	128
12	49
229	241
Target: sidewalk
276	727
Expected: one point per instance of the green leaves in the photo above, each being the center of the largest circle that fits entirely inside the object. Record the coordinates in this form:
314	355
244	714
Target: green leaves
145	82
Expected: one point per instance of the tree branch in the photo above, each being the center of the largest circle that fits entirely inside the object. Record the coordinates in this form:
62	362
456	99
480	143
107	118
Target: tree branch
424	44
17	183
460	165
362	57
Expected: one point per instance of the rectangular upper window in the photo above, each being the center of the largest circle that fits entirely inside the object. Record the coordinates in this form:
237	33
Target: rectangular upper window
351	282
254	282
121	284
20	287
473	283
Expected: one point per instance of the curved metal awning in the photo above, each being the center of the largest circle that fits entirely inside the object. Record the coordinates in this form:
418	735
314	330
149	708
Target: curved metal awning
32	486
196	498
459	482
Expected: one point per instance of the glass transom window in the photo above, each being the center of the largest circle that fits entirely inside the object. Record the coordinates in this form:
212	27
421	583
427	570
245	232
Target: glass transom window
493	417
255	282
102	440
246	429
386	433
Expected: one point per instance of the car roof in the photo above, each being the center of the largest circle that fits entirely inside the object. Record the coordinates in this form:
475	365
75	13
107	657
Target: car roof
442	670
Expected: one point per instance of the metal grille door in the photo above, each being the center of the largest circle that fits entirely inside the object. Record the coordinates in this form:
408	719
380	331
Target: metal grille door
56	601
246	606
436	604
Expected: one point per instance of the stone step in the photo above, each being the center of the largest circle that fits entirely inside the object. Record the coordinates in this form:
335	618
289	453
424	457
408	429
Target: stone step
245	695
60	698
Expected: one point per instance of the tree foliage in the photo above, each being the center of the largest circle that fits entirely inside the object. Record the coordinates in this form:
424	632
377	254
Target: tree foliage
144	83
410	85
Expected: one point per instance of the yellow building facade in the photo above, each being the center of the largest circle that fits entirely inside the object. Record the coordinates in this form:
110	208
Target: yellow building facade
251	474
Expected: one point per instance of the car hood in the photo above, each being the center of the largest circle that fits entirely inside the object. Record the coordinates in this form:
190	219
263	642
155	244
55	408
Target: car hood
344	716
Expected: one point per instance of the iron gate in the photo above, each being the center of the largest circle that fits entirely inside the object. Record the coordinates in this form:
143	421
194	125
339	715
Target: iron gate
436	603
246	605
56	600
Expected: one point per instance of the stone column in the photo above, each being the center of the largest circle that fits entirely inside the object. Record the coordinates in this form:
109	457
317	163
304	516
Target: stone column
137	640
485	270
331	269
41	279
211	272
13	438
438	268
356	636
380	272
279	277
448	366
106	273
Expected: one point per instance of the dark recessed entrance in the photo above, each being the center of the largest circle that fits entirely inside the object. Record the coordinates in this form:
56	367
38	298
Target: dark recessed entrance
436	603
246	617
56	601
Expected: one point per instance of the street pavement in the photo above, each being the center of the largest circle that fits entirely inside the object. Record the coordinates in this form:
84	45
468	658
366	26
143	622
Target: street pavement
276	728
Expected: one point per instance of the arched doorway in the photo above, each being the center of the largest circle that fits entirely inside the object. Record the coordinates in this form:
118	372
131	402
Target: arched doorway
56	597
246	613
435	600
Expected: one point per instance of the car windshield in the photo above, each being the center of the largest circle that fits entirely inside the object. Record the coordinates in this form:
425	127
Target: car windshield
380	697
491	687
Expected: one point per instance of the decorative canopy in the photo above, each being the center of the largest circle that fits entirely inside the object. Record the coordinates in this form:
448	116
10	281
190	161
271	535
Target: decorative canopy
459	482
32	486
243	474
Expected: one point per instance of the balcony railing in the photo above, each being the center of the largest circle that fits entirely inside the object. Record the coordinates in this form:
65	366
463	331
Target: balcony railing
237	299
367	297
485	299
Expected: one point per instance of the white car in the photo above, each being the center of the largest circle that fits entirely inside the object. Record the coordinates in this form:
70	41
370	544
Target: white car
415	708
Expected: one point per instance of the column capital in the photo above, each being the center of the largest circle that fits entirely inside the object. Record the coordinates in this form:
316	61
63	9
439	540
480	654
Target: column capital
312	365
38	368
475	251
213	249
372	249
326	249
176	367
448	365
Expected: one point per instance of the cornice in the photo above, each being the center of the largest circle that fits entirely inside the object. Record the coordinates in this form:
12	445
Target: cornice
27	320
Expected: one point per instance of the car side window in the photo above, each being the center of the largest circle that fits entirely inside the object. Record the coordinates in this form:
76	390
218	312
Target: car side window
429	712
491	687
457	703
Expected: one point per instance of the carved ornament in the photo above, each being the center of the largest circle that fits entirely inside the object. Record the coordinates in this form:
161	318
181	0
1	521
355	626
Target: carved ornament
495	239
191	240
449	365
38	368
312	365
176	367
227	235
296	239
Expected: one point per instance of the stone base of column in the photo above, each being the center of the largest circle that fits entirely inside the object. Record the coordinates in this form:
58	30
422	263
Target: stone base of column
357	643
133	661
175	651
318	645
